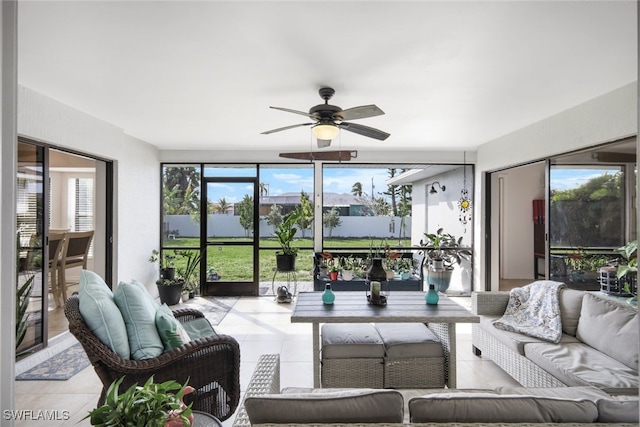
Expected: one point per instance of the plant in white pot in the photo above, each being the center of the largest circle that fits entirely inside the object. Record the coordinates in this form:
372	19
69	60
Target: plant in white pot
442	251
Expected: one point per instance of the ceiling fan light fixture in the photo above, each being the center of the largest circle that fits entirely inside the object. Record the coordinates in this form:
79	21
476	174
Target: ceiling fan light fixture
325	131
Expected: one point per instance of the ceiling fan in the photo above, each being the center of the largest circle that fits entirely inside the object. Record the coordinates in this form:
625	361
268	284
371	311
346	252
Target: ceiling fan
329	119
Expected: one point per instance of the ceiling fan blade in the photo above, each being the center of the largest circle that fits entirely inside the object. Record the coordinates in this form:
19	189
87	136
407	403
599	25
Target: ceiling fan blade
285	128
341	155
361	112
323	143
364	130
302	113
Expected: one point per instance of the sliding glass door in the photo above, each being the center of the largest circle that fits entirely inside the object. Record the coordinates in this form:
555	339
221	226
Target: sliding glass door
59	194
31	284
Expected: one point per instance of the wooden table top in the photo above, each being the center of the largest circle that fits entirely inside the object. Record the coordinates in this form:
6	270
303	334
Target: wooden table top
352	307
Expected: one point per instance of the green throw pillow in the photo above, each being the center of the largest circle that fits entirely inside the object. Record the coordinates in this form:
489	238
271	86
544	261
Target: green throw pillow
101	313
171	331
139	314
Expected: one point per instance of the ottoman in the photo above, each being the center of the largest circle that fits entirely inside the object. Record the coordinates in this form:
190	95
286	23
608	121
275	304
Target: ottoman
352	356
414	357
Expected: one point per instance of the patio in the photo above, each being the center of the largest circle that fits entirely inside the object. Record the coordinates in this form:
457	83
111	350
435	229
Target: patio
261	326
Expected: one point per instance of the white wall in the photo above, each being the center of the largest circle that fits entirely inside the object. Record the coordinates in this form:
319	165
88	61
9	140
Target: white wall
8	79
431	212
520	187
136	175
607	118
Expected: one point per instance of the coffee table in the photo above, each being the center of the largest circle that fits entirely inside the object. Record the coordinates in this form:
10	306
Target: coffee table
352	307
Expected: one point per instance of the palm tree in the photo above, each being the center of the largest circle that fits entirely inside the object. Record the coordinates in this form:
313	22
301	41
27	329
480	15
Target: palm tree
264	189
223	206
356	189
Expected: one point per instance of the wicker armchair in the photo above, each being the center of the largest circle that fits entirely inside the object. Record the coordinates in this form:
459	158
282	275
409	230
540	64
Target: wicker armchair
211	365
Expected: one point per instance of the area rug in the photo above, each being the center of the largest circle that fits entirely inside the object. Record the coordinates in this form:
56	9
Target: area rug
214	308
59	367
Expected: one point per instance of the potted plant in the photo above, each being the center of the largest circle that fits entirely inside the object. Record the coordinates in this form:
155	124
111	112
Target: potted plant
152	404
285	231
347	265
442	251
167	267
629	272
188	269
170	290
334	269
323	264
404	268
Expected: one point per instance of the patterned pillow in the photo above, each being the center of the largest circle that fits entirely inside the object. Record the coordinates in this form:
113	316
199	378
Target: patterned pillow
171	331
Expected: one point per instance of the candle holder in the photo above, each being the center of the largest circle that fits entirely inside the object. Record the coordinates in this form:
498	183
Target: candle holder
377	285
376	293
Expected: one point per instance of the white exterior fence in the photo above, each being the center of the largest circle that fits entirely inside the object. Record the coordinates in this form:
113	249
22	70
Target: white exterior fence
229	226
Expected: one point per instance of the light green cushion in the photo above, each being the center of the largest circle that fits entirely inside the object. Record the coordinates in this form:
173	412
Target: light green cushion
171	331
101	313
139	314
198	328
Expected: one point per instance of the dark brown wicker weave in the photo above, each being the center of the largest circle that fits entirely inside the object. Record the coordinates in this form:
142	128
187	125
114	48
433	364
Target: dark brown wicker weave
211	365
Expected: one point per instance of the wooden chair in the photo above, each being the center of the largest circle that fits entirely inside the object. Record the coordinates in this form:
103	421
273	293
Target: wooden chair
210	364
56	244
75	252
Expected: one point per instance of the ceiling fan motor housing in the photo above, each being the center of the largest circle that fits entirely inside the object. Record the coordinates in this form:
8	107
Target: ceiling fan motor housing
326	112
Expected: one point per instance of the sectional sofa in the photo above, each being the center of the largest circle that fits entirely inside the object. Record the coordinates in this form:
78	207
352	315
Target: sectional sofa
264	404
598	347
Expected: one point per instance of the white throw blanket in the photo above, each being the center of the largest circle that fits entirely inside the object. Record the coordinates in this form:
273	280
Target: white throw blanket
534	310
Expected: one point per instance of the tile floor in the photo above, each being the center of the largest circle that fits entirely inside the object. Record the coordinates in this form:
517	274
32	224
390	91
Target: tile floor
261	326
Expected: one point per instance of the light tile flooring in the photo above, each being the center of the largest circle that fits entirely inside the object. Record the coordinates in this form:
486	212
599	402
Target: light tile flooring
261	326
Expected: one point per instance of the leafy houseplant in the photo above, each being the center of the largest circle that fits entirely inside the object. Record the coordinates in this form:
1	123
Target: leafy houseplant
189	271
629	271
285	232
442	251
167	263
150	405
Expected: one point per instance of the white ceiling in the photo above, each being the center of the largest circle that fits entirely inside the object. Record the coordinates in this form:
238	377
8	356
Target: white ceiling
202	75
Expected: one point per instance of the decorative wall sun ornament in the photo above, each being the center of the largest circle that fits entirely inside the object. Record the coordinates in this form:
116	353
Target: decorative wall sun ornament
464	204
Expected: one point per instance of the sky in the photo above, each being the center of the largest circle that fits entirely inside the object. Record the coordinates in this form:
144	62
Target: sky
563	178
299	178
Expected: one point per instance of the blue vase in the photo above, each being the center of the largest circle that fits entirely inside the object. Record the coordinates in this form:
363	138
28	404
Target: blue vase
432	296
328	296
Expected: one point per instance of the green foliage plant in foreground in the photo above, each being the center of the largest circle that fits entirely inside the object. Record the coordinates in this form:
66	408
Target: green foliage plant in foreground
149	405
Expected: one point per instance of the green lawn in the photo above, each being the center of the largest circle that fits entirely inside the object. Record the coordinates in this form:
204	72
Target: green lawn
234	263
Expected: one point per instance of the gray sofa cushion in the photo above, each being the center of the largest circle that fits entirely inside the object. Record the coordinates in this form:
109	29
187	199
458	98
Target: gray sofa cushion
618	409
408	340
487	407
514	340
333	406
610	328
577	364
351	340
570	307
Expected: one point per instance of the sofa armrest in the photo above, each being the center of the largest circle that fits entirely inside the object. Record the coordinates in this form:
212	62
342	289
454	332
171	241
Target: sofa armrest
492	303
265	380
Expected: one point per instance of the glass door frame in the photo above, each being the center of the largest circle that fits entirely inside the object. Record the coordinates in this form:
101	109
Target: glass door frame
106	215
40	277
221	287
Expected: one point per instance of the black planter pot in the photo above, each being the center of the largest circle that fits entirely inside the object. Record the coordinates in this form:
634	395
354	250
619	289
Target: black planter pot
170	294
168	273
285	262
